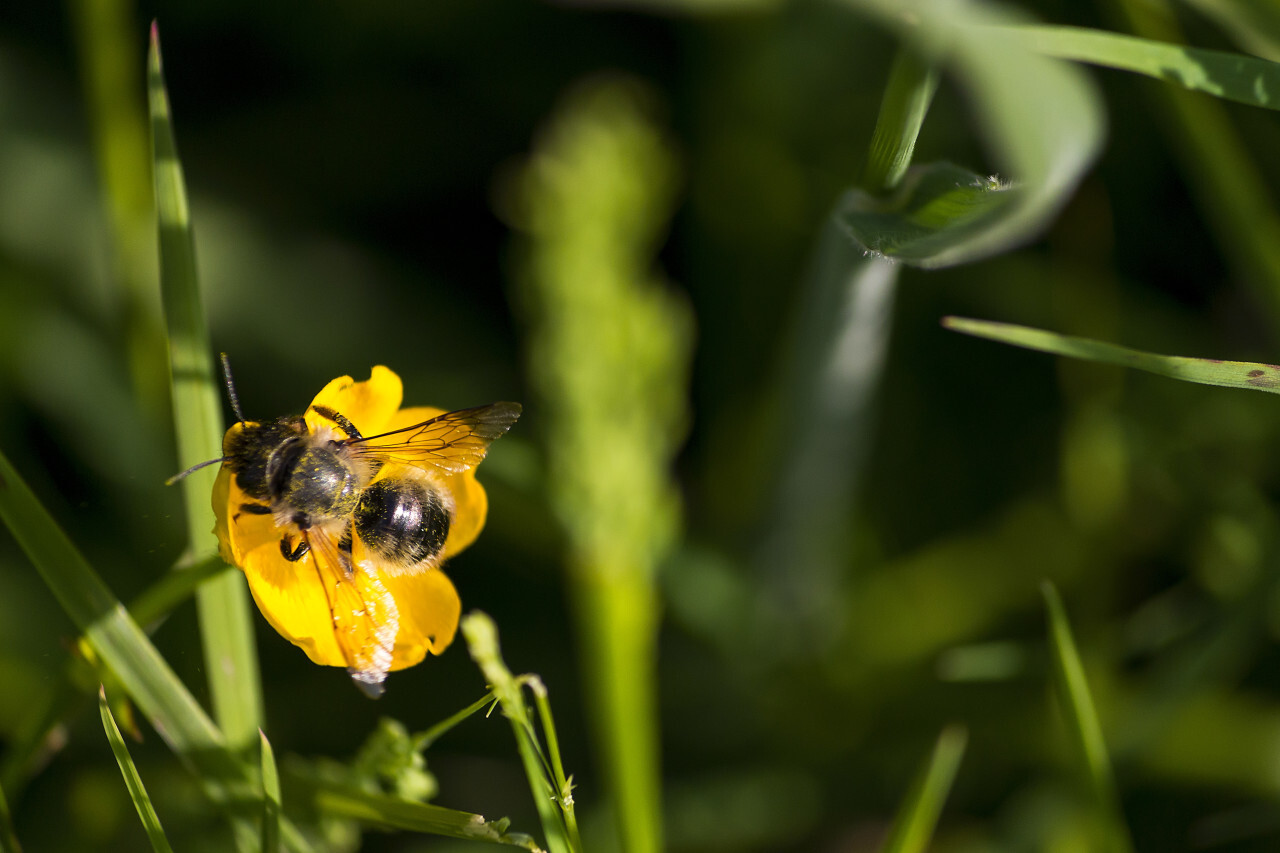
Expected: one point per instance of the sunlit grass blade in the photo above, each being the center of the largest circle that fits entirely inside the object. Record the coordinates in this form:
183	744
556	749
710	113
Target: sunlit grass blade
271	800
1082	724
1041	120
1233	76
8	838
385	812
137	791
127	651
225	616
912	83
1206	371
36	735
913	827
482	642
103	619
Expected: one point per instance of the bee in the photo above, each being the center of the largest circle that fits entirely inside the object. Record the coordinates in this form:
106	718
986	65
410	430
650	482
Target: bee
361	517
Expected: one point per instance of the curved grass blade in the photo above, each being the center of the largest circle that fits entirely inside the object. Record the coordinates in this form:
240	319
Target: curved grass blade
1206	371
1043	126
8	838
1082	724
915	822
1233	76
137	791
225	619
482	642
271	800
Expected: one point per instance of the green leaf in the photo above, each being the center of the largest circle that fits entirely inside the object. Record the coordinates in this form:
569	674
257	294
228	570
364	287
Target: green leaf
271	800
1040	118
1233	76
225	617
1206	371
137	791
913	827
936	207
1082	723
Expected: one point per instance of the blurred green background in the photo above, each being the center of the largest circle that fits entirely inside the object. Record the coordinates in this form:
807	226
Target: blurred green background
351	170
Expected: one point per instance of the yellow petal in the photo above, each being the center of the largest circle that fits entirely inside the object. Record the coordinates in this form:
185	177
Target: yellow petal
471	502
292	599
368	404
429	610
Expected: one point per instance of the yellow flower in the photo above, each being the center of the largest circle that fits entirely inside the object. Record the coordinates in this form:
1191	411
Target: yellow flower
340	601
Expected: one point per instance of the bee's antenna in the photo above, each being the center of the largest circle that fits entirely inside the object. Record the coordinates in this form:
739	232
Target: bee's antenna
231	392
176	477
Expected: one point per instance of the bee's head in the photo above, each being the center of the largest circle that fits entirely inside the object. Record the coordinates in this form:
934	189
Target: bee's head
257	452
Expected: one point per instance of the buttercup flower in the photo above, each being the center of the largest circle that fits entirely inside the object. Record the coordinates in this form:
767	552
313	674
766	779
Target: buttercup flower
340	520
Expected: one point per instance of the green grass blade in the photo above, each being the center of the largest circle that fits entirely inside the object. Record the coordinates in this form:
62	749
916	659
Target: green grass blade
482	642
564	784
271	800
422	740
914	825
125	648
1233	76
137	791
1040	118
1082	724
1206	371
133	781
384	812
912	83
225	616
33	735
8	838
104	620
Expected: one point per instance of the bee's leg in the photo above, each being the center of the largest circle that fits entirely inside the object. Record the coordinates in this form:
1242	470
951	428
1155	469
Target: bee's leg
341	420
291	553
252	509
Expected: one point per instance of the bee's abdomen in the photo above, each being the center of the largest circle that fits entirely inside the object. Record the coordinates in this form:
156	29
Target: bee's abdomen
404	520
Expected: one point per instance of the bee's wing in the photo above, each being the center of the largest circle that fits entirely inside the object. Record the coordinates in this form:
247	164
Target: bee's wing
452	442
365	617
